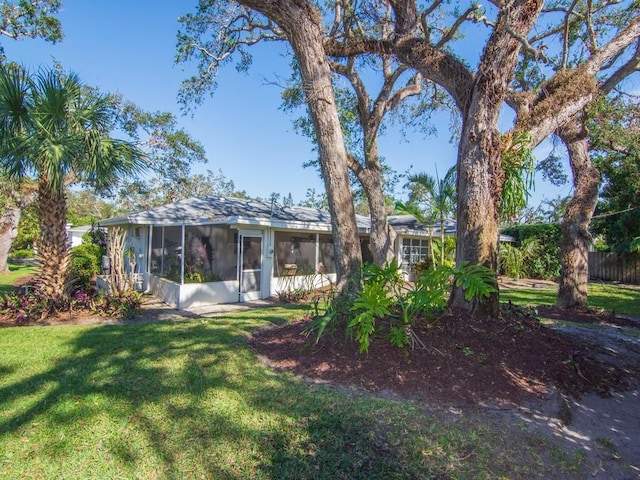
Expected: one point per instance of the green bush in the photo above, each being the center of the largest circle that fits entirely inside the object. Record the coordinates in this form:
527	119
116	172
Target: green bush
385	297
85	263
22	254
536	253
511	261
545	233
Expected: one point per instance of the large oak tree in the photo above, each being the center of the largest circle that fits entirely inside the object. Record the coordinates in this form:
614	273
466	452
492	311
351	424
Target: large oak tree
301	24
541	107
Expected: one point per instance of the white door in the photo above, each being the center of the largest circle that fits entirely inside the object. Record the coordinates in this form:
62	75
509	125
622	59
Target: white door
250	264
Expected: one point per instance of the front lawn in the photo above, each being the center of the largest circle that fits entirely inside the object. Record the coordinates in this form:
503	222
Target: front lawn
612	298
16	272
190	400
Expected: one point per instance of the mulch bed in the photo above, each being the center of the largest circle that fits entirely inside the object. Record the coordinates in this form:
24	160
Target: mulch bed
467	360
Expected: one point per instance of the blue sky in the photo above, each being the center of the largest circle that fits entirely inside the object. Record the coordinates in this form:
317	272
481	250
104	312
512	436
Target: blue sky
128	47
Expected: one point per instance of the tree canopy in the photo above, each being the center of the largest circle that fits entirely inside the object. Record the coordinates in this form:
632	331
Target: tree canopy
29	19
547	60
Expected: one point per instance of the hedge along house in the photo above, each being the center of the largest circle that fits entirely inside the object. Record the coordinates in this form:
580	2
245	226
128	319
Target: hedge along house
210	249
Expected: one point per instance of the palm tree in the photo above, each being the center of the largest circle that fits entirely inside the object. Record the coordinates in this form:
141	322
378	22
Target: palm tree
56	130
439	196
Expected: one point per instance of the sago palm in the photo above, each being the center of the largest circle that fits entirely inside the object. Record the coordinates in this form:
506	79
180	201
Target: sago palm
56	130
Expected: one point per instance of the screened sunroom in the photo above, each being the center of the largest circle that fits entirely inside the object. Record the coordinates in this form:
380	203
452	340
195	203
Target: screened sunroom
209	250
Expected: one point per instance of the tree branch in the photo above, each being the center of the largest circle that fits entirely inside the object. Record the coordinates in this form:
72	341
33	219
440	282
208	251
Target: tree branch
633	65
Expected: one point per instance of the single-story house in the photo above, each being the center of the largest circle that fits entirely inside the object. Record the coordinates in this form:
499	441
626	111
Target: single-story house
210	249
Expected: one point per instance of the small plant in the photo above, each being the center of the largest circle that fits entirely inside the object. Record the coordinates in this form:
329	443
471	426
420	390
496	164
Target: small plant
482	359
373	302
468	351
194	277
477	281
399	337
123	305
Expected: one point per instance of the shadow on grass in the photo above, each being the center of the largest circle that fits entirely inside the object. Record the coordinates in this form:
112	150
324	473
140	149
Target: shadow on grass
184	400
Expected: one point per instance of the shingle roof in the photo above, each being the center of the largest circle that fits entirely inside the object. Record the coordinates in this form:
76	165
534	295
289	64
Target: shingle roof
409	224
215	209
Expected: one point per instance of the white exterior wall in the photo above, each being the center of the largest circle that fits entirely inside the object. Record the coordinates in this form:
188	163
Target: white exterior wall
191	295
280	284
202	294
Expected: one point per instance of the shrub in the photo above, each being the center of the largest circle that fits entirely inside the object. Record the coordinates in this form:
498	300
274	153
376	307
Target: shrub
511	261
536	254
384	296
33	307
22	254
85	263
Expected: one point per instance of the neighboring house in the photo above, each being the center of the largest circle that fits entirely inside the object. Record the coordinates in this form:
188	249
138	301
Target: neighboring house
210	249
74	234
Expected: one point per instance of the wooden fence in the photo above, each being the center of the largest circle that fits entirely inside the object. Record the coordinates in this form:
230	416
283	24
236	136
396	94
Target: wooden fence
611	267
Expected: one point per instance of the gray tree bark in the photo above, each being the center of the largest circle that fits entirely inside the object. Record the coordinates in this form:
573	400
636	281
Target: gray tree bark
480	174
18	199
302	24
574	246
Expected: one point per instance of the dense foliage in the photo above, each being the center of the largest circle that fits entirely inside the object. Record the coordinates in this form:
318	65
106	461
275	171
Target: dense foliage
385	304
30	307
615	131
535	253
85	264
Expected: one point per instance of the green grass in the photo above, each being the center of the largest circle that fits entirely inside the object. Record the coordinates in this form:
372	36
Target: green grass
16	272
190	400
612	298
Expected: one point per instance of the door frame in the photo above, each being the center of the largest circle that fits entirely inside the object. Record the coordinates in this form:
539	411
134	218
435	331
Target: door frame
254	294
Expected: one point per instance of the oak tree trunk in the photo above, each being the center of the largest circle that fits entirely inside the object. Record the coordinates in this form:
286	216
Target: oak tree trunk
302	24
480	173
574	246
479	188
382	237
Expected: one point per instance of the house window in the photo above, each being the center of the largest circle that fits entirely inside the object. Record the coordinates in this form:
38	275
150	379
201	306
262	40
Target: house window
210	254
413	251
156	251
327	254
295	254
300	254
172	253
